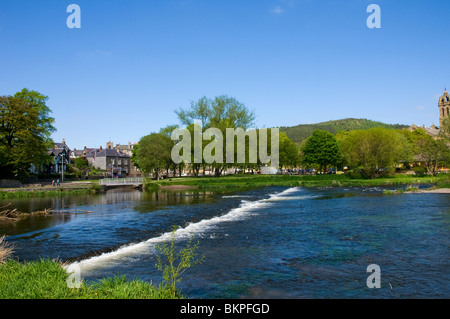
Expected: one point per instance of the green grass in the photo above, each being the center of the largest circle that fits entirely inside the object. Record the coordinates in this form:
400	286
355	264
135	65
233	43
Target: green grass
242	182
412	189
391	192
46	279
93	189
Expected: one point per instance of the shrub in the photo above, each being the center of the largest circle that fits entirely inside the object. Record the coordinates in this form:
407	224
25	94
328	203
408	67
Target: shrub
355	174
6	250
412	189
419	171
173	264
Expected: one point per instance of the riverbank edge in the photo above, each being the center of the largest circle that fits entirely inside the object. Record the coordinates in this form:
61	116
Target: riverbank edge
231	183
73	188
244	182
47	279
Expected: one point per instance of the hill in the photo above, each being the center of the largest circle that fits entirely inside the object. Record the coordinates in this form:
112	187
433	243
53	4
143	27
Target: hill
300	132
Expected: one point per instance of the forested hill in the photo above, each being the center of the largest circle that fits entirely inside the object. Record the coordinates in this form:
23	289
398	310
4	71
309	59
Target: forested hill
300	132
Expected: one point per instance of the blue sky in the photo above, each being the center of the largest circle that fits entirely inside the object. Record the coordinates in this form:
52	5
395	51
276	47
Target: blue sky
132	63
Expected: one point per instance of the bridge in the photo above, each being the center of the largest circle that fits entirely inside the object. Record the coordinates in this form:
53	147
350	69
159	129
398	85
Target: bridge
136	182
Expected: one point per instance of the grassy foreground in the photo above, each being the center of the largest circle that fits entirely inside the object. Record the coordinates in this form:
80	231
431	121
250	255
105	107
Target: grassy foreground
241	182
46	279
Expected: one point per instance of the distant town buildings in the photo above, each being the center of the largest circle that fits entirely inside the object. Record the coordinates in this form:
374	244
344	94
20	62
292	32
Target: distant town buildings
113	161
444	107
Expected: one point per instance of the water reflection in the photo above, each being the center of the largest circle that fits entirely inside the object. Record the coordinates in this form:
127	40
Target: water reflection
152	201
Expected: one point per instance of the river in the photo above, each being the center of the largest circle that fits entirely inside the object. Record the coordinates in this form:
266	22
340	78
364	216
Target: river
275	242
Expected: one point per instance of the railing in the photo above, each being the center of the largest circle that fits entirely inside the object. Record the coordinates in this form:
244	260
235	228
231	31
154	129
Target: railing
122	181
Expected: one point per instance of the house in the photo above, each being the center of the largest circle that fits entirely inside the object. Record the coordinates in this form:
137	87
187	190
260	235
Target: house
116	163
60	154
81	153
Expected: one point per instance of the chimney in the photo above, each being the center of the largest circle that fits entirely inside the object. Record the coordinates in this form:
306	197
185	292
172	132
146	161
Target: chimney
101	148
64	141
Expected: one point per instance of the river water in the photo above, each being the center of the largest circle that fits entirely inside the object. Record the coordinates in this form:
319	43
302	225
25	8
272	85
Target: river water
275	242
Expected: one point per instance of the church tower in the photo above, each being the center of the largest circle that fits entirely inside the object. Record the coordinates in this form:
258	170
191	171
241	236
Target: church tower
444	107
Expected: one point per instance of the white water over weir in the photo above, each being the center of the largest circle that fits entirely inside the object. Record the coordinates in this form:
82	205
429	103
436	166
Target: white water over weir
148	247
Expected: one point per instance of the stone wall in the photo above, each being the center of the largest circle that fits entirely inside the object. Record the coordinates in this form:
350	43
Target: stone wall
9	183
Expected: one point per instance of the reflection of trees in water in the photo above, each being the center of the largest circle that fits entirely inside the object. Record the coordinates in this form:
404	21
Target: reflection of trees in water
146	201
28	205
155	200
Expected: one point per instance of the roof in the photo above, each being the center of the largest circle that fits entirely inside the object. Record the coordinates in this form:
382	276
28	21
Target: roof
107	153
61	146
433	130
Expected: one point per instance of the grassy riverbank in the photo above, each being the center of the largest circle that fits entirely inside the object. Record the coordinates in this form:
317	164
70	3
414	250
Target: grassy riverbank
46	279
241	182
51	191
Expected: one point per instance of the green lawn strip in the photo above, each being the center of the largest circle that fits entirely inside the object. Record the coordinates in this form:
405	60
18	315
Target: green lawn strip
251	181
46	279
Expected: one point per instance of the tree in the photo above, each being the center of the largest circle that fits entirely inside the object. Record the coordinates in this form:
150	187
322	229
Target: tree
321	149
444	130
428	151
222	112
288	152
375	151
153	153
25	129
167	131
81	163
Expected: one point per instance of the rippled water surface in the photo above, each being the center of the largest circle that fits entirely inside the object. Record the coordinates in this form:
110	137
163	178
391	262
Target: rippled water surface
274	242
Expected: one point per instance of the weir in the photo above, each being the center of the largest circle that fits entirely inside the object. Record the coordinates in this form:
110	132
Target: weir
146	247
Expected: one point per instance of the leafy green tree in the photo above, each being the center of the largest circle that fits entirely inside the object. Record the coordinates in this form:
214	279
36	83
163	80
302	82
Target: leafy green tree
167	131
222	112
289	156
375	151
321	149
81	163
428	151
153	153
444	130
25	130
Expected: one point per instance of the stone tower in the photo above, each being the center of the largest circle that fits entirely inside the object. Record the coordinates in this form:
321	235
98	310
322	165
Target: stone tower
444	106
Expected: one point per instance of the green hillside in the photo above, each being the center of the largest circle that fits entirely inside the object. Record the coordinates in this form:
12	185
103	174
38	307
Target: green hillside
300	132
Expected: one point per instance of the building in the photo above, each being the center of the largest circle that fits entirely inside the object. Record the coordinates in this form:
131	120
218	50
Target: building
433	130
127	149
81	153
116	163
60	154
444	107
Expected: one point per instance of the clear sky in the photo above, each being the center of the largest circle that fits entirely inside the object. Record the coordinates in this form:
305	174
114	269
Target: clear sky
132	63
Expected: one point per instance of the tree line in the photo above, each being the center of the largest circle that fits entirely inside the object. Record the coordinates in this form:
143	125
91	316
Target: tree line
25	130
26	127
367	153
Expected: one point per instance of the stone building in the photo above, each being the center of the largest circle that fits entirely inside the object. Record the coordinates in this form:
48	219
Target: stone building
60	154
444	107
116	163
